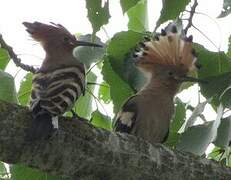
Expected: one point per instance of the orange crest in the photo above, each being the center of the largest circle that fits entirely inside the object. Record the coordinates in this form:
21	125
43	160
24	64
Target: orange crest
167	48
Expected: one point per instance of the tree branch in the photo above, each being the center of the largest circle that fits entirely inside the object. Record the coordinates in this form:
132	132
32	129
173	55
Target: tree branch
81	151
192	12
14	57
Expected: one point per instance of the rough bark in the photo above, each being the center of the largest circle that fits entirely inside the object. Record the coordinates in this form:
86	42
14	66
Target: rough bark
81	151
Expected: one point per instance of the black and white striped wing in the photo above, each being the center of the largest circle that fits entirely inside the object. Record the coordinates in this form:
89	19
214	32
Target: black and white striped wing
56	91
126	118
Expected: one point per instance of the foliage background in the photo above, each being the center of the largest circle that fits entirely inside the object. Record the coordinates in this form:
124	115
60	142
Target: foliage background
112	67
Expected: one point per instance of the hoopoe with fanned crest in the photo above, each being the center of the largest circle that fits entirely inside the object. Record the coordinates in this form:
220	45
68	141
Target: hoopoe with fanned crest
59	81
165	60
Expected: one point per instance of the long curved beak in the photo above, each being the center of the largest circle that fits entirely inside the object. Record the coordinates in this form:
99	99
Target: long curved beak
192	79
84	43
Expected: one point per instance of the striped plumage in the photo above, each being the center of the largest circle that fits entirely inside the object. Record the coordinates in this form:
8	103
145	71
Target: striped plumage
59	82
166	60
57	90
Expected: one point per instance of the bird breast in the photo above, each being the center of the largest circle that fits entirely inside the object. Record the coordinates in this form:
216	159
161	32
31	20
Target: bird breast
153	118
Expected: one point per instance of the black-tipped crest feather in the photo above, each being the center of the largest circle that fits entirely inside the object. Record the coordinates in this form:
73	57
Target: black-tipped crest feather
170	47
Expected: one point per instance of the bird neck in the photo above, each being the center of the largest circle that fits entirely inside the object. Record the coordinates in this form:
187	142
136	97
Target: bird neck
61	58
159	87
58	54
57	50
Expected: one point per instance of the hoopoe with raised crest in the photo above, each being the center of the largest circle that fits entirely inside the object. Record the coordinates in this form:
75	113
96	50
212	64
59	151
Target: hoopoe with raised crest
59	81
166	59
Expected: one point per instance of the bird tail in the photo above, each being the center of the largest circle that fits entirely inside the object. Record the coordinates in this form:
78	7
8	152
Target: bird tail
41	127
170	47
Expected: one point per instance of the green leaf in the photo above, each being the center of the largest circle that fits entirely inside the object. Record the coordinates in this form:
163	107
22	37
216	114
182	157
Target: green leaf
177	122
121	45
119	54
100	120
226	9
216	70
19	172
216	88
197	138
119	89
104	92
138	17
7	88
173	139
3	171
217	154
97	15
127	4
4	58
171	10
224	133
229	50
88	55
83	105
196	112
179	116
213	63
25	89
2	168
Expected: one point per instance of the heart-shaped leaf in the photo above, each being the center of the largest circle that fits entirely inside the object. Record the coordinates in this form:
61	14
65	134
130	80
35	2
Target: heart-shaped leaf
25	89
119	54
89	55
4	58
226	9
197	138
138	17
7	88
119	89
83	105
171	10
223	138
127	4
97	14
100	120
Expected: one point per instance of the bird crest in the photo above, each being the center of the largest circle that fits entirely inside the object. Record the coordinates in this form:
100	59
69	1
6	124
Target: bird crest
170	47
41	32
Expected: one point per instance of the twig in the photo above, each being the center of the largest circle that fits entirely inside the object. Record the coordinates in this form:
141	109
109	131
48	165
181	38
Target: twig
98	101
93	84
206	37
191	108
218	26
14	57
94	65
106	33
192	12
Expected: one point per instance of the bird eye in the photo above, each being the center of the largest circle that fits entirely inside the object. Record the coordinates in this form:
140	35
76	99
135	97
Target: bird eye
170	73
66	39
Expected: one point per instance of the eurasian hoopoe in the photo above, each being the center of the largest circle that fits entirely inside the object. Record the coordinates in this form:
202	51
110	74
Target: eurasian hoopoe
165	60
59	81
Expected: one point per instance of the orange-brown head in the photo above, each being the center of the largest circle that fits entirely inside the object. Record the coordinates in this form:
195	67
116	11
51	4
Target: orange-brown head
54	37
169	56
